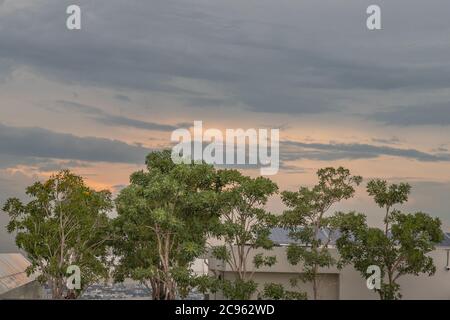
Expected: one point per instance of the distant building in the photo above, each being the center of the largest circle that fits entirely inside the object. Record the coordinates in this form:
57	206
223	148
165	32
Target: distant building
345	284
14	282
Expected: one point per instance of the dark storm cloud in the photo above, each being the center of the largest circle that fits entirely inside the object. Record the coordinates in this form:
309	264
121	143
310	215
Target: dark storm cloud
435	114
110	119
42	143
293	150
289	57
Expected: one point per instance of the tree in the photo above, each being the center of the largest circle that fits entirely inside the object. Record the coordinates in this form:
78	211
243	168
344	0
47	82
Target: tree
398	249
164	217
64	224
306	219
244	227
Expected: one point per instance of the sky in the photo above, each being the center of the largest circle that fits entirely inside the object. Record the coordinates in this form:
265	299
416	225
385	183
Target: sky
97	100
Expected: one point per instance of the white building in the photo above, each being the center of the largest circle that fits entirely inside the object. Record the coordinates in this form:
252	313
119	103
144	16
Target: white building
347	284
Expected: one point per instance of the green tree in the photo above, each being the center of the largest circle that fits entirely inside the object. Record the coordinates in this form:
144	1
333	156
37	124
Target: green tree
400	248
164	217
244	227
64	224
306	219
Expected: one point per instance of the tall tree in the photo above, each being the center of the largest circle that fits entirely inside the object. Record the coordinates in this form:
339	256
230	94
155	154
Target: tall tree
306	219
244	227
164	217
64	224
399	248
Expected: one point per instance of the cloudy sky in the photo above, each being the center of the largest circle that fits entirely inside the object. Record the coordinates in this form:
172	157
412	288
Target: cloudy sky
99	99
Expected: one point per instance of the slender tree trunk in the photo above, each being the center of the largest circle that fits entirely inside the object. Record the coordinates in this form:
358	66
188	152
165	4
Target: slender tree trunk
387	223
54	289
315	283
57	288
390	292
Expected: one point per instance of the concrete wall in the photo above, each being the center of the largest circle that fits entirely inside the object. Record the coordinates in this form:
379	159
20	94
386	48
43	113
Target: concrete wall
31	290
328	285
353	285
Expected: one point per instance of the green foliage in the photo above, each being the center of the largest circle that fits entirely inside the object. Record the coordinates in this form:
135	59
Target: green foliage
206	284
183	279
64	224
388	195
276	291
238	289
221	253
400	249
260	260
168	211
164	217
273	291
244	227
305	219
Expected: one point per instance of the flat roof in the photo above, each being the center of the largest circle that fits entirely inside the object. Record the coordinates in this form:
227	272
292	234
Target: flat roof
281	237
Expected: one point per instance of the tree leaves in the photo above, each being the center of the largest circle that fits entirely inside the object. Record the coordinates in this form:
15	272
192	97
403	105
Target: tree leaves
164	217
244	226
305	219
65	223
399	250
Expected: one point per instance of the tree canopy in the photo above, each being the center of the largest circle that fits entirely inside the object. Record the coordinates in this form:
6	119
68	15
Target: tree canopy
164	217
306	218
64	224
244	227
400	248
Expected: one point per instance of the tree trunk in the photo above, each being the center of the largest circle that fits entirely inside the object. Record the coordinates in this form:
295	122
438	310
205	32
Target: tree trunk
315	283
57	288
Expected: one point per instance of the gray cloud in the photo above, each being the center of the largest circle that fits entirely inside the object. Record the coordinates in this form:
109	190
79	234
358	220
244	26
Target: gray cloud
53	165
293	169
41	164
122	97
435	114
392	140
113	120
306	57
42	143
293	150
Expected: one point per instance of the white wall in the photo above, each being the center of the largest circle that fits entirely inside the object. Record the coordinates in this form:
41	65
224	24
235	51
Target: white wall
351	285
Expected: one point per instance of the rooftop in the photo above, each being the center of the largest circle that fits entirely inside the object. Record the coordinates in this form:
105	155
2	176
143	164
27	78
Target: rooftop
281	237
12	271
